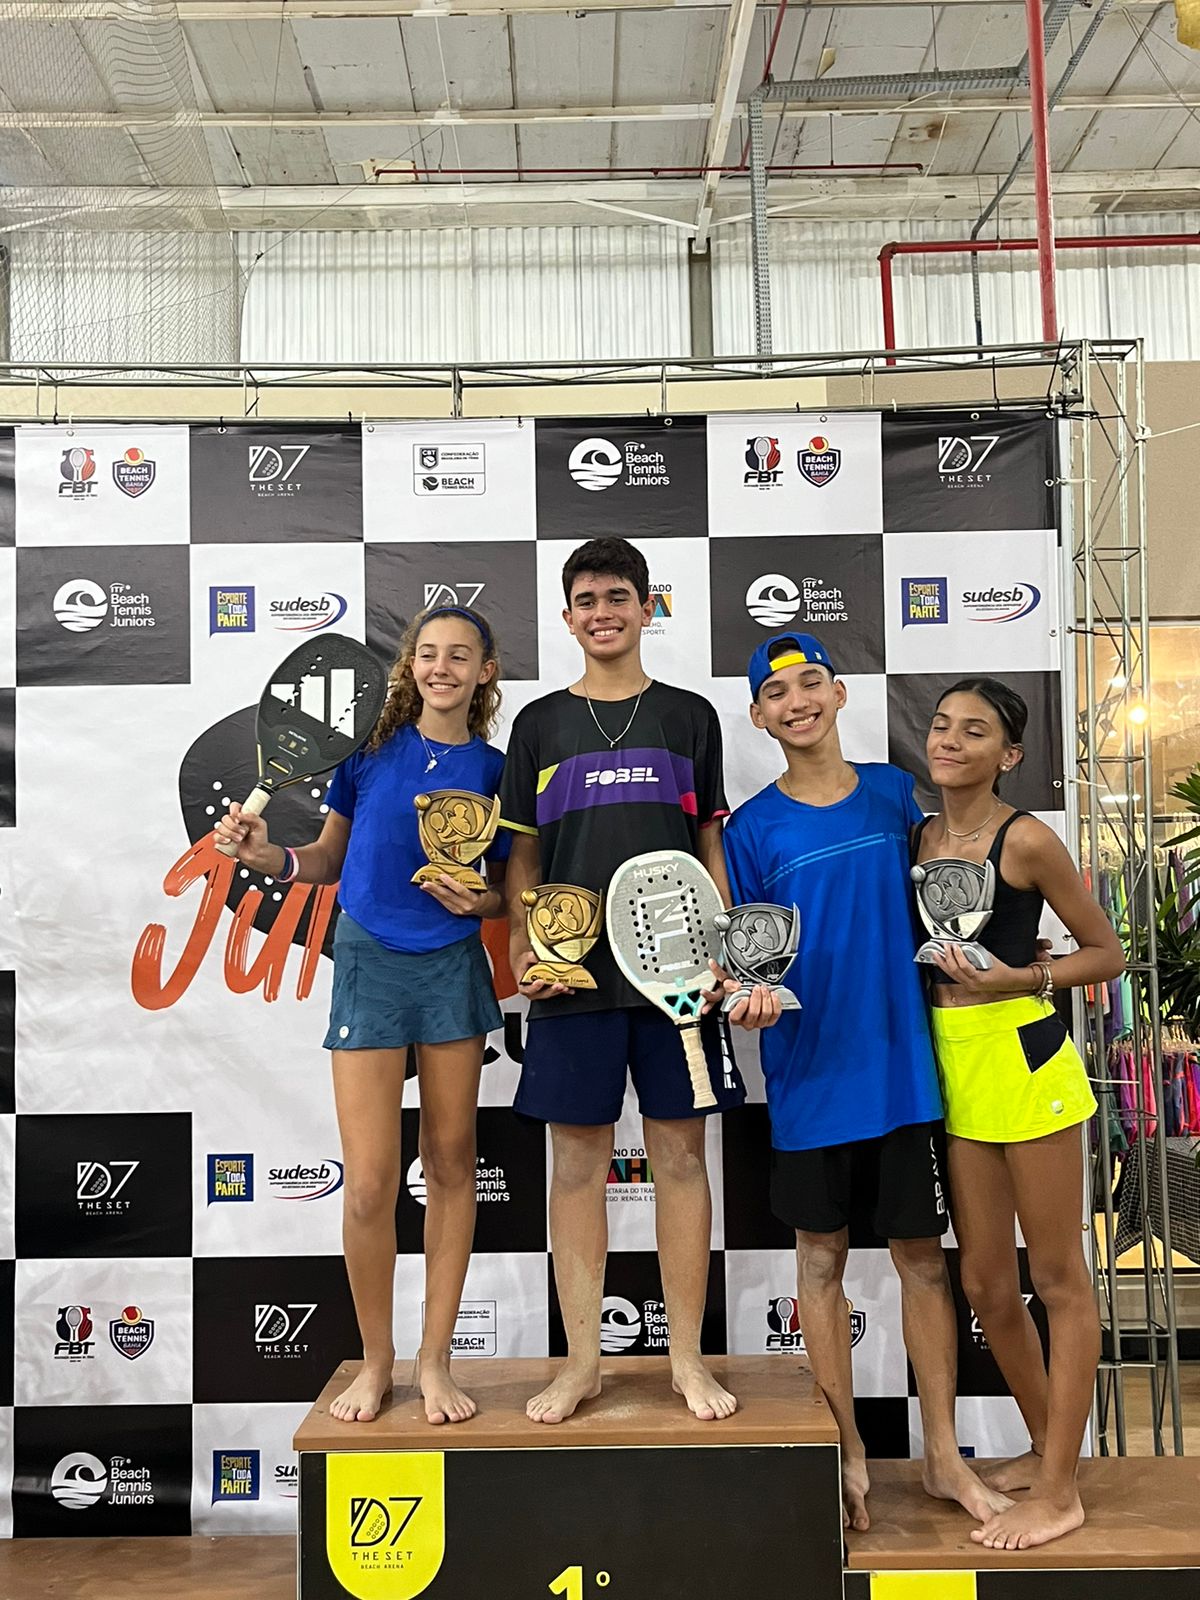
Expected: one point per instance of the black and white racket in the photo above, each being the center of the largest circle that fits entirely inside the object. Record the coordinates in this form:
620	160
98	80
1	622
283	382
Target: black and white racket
319	707
661	917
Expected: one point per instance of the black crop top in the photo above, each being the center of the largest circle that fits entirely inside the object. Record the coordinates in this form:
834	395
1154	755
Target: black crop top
1011	932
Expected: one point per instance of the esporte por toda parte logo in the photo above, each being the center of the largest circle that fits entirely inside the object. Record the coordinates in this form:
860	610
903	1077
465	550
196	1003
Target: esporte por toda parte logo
235	1476
231	610
923	601
596	464
230	1178
80	605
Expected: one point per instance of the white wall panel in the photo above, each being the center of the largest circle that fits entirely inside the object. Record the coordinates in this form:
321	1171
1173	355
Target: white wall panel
825	289
478	294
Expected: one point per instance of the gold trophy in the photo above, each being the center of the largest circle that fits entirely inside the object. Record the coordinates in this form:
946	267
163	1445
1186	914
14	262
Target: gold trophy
456	827
563	922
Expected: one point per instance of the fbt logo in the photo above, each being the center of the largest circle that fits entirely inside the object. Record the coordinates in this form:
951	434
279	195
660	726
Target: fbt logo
272	469
277	1329
961	459
604	776
99	1186
74	1328
763	461
784	1333
77	469
235	1476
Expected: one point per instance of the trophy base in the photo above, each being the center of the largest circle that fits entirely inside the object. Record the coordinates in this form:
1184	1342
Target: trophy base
467	876
560	972
787	999
979	958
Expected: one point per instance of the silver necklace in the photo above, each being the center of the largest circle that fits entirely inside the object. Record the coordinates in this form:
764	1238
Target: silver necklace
431	753
967	834
613	743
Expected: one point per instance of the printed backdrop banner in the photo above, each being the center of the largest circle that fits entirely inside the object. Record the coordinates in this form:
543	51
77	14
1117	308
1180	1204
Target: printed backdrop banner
172	1292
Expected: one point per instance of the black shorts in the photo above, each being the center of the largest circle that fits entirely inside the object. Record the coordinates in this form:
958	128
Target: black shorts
895	1183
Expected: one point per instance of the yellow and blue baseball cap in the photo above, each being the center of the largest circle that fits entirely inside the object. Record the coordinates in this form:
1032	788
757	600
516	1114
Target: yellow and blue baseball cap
786	650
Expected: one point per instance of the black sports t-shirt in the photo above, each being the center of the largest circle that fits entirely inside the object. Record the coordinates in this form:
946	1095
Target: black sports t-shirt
592	807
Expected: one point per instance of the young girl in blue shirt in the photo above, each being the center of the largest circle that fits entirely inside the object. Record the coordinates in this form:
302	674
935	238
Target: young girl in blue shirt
410	972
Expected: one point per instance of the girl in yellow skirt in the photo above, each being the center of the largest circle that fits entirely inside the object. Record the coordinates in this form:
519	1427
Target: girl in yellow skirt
1015	1094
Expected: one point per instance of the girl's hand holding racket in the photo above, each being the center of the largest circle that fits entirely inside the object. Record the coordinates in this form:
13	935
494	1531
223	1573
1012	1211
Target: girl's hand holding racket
761	1010
248	834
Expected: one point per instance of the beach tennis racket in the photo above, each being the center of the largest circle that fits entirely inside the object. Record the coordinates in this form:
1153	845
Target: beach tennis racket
661	913
319	707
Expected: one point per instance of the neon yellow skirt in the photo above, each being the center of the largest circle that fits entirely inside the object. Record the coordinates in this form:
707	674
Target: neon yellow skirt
1009	1071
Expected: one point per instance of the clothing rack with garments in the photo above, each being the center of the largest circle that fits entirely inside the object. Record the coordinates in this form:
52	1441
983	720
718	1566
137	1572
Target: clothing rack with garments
1175	1097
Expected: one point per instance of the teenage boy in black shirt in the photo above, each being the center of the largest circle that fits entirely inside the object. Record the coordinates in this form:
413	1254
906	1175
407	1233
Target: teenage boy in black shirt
615	765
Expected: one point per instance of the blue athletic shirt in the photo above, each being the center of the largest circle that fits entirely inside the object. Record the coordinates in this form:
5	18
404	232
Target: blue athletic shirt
857	1060
375	791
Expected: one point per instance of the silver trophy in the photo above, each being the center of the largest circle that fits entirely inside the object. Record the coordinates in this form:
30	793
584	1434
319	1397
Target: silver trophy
955	900
758	945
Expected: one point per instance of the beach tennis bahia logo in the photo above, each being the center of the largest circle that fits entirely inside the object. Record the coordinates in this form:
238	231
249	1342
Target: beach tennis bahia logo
819	463
134	472
131	1333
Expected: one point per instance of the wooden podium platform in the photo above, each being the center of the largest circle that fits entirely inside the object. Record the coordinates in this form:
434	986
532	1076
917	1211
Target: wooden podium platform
630	1497
1143	1514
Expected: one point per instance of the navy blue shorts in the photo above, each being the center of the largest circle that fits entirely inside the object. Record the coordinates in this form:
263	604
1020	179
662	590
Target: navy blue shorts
575	1067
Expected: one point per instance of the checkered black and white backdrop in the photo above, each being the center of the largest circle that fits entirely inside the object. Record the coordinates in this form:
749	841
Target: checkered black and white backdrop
172	1293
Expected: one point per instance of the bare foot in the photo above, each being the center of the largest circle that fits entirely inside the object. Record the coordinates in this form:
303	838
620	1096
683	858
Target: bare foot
1033	1521
362	1400
704	1396
1021	1472
559	1398
951	1478
444	1400
856	1485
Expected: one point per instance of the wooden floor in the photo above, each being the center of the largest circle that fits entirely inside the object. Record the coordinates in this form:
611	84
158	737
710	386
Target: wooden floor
778	1403
148	1569
1141	1512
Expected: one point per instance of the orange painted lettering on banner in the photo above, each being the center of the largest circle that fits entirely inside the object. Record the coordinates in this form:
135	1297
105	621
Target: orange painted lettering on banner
242	973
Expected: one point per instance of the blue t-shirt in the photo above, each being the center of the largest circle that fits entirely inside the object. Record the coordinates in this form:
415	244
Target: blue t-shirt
376	792
857	1060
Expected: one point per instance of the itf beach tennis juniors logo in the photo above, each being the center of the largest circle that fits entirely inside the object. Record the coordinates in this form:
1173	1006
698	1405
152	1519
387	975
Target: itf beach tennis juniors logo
627	1328
81	1480
81	605
491	1183
449	469
784	1335
597	464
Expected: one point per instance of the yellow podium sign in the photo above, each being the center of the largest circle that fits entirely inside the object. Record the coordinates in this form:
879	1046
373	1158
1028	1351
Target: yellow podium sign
385	1522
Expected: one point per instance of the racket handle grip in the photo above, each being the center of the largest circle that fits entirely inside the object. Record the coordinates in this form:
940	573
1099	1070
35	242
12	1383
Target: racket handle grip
255	804
693	1049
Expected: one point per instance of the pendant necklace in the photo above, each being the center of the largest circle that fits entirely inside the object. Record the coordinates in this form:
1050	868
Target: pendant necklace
432	753
967	833
613	743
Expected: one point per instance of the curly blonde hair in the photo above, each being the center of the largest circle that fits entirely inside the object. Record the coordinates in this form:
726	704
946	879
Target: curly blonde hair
404	704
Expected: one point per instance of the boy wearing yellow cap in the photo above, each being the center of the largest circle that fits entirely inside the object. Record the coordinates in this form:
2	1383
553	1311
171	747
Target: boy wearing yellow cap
852	1089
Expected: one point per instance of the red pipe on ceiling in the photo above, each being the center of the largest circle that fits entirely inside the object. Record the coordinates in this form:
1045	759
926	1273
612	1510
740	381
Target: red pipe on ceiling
1039	123
939	247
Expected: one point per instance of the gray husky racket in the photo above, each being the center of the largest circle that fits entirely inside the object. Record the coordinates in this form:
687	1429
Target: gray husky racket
319	707
660	917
